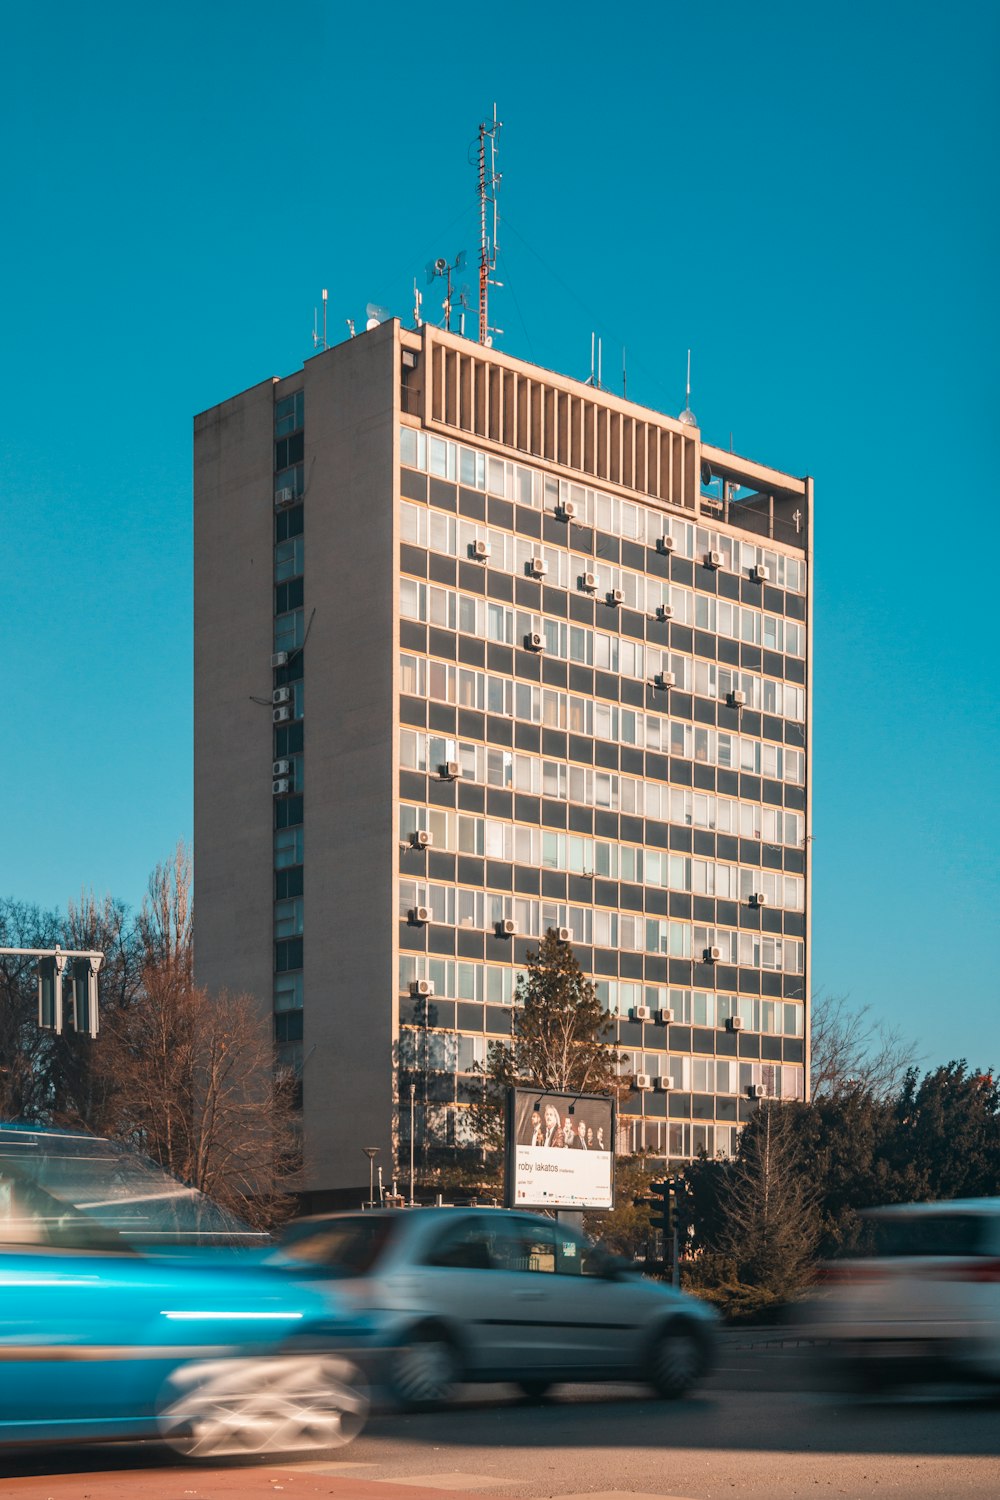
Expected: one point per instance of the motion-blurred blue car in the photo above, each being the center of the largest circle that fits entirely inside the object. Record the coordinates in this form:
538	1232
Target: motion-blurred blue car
129	1308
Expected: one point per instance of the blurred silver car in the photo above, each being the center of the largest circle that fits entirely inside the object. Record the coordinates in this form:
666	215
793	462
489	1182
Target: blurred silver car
925	1306
470	1294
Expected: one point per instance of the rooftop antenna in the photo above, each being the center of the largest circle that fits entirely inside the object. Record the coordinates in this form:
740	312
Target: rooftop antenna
350	326
418	299
594	378
624	376
375	315
441	267
687	416
319	339
488	184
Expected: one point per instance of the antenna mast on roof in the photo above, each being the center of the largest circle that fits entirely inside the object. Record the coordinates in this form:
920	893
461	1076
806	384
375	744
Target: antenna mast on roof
687	416
489	182
319	339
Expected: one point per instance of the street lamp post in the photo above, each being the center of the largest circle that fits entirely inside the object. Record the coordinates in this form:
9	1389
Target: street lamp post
413	1095
371	1152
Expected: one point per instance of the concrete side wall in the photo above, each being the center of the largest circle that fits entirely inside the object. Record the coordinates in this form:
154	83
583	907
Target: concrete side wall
233	579
350	582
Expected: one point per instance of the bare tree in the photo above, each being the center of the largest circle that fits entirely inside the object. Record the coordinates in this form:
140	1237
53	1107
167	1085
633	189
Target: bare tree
29	1057
164	923
853	1050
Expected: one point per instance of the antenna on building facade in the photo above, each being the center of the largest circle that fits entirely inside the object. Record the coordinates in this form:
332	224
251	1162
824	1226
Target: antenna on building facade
488	184
441	267
319	339
687	416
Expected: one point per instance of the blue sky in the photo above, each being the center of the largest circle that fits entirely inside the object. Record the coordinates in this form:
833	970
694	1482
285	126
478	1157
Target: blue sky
804	195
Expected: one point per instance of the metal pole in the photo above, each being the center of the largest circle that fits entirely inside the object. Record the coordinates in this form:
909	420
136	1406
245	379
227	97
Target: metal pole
413	1095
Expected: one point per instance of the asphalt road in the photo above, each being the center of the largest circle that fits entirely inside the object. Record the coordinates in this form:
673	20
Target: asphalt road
758	1427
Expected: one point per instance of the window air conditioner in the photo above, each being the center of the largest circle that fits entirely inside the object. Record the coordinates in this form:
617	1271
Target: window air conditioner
643	1081
589	581
280	786
563	934
760	573
538	567
479	550
712	955
279	659
284	497
665	679
665	544
449	770
665	1082
280	715
422	839
534	642
737	698
281	695
615	596
419	915
640	1013
280	767
665	1016
507	927
664	612
713	559
421	986
759	898
755	1091
735	1023
567	510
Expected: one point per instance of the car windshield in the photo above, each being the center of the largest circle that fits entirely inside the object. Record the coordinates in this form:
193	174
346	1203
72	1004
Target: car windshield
78	1191
344	1247
929	1234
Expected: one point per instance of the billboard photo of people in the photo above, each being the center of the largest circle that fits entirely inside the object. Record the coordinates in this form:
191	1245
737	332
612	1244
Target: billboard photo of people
560	1150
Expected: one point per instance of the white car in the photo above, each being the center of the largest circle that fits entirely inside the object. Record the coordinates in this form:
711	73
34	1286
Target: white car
924	1307
473	1294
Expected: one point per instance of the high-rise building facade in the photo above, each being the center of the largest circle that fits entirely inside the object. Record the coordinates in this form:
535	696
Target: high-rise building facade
482	651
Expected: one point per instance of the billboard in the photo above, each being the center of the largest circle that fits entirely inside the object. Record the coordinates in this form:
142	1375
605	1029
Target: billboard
560	1150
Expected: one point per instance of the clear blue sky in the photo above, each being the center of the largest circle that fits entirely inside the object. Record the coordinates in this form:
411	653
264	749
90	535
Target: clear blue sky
804	194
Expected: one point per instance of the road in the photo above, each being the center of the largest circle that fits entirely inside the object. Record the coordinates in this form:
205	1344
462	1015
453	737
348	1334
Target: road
756	1429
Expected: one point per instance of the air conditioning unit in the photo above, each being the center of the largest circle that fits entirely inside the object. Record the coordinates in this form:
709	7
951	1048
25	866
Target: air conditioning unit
507	927
421	986
563	934
283	498
567	510
280	786
759	898
643	1081
665	544
279	659
665	679
665	1082
280	715
760	573
281	695
735	1023
664	612
534	642
479	550
640	1013
538	567
665	1016
713	559
712	955
419	915
422	839
280	767
449	770
755	1091
589	581
737	698
615	596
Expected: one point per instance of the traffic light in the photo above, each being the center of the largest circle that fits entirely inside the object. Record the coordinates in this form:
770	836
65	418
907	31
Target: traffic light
85	995
664	1200
50	994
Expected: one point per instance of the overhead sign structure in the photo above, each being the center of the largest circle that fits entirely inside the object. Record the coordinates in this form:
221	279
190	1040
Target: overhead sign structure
560	1150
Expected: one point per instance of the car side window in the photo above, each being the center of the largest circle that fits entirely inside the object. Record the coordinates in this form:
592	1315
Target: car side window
524	1245
464	1246
575	1256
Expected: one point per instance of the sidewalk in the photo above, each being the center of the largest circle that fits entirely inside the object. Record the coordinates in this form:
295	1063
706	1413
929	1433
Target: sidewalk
332	1481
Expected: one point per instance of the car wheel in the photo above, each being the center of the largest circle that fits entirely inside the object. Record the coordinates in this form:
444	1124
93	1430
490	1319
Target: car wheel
426	1371
277	1404
676	1359
534	1389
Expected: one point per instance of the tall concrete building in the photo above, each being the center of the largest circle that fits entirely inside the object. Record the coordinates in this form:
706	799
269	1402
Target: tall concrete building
479	651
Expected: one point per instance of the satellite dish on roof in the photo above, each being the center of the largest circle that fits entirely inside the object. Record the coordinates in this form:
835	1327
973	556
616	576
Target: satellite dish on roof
375	315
